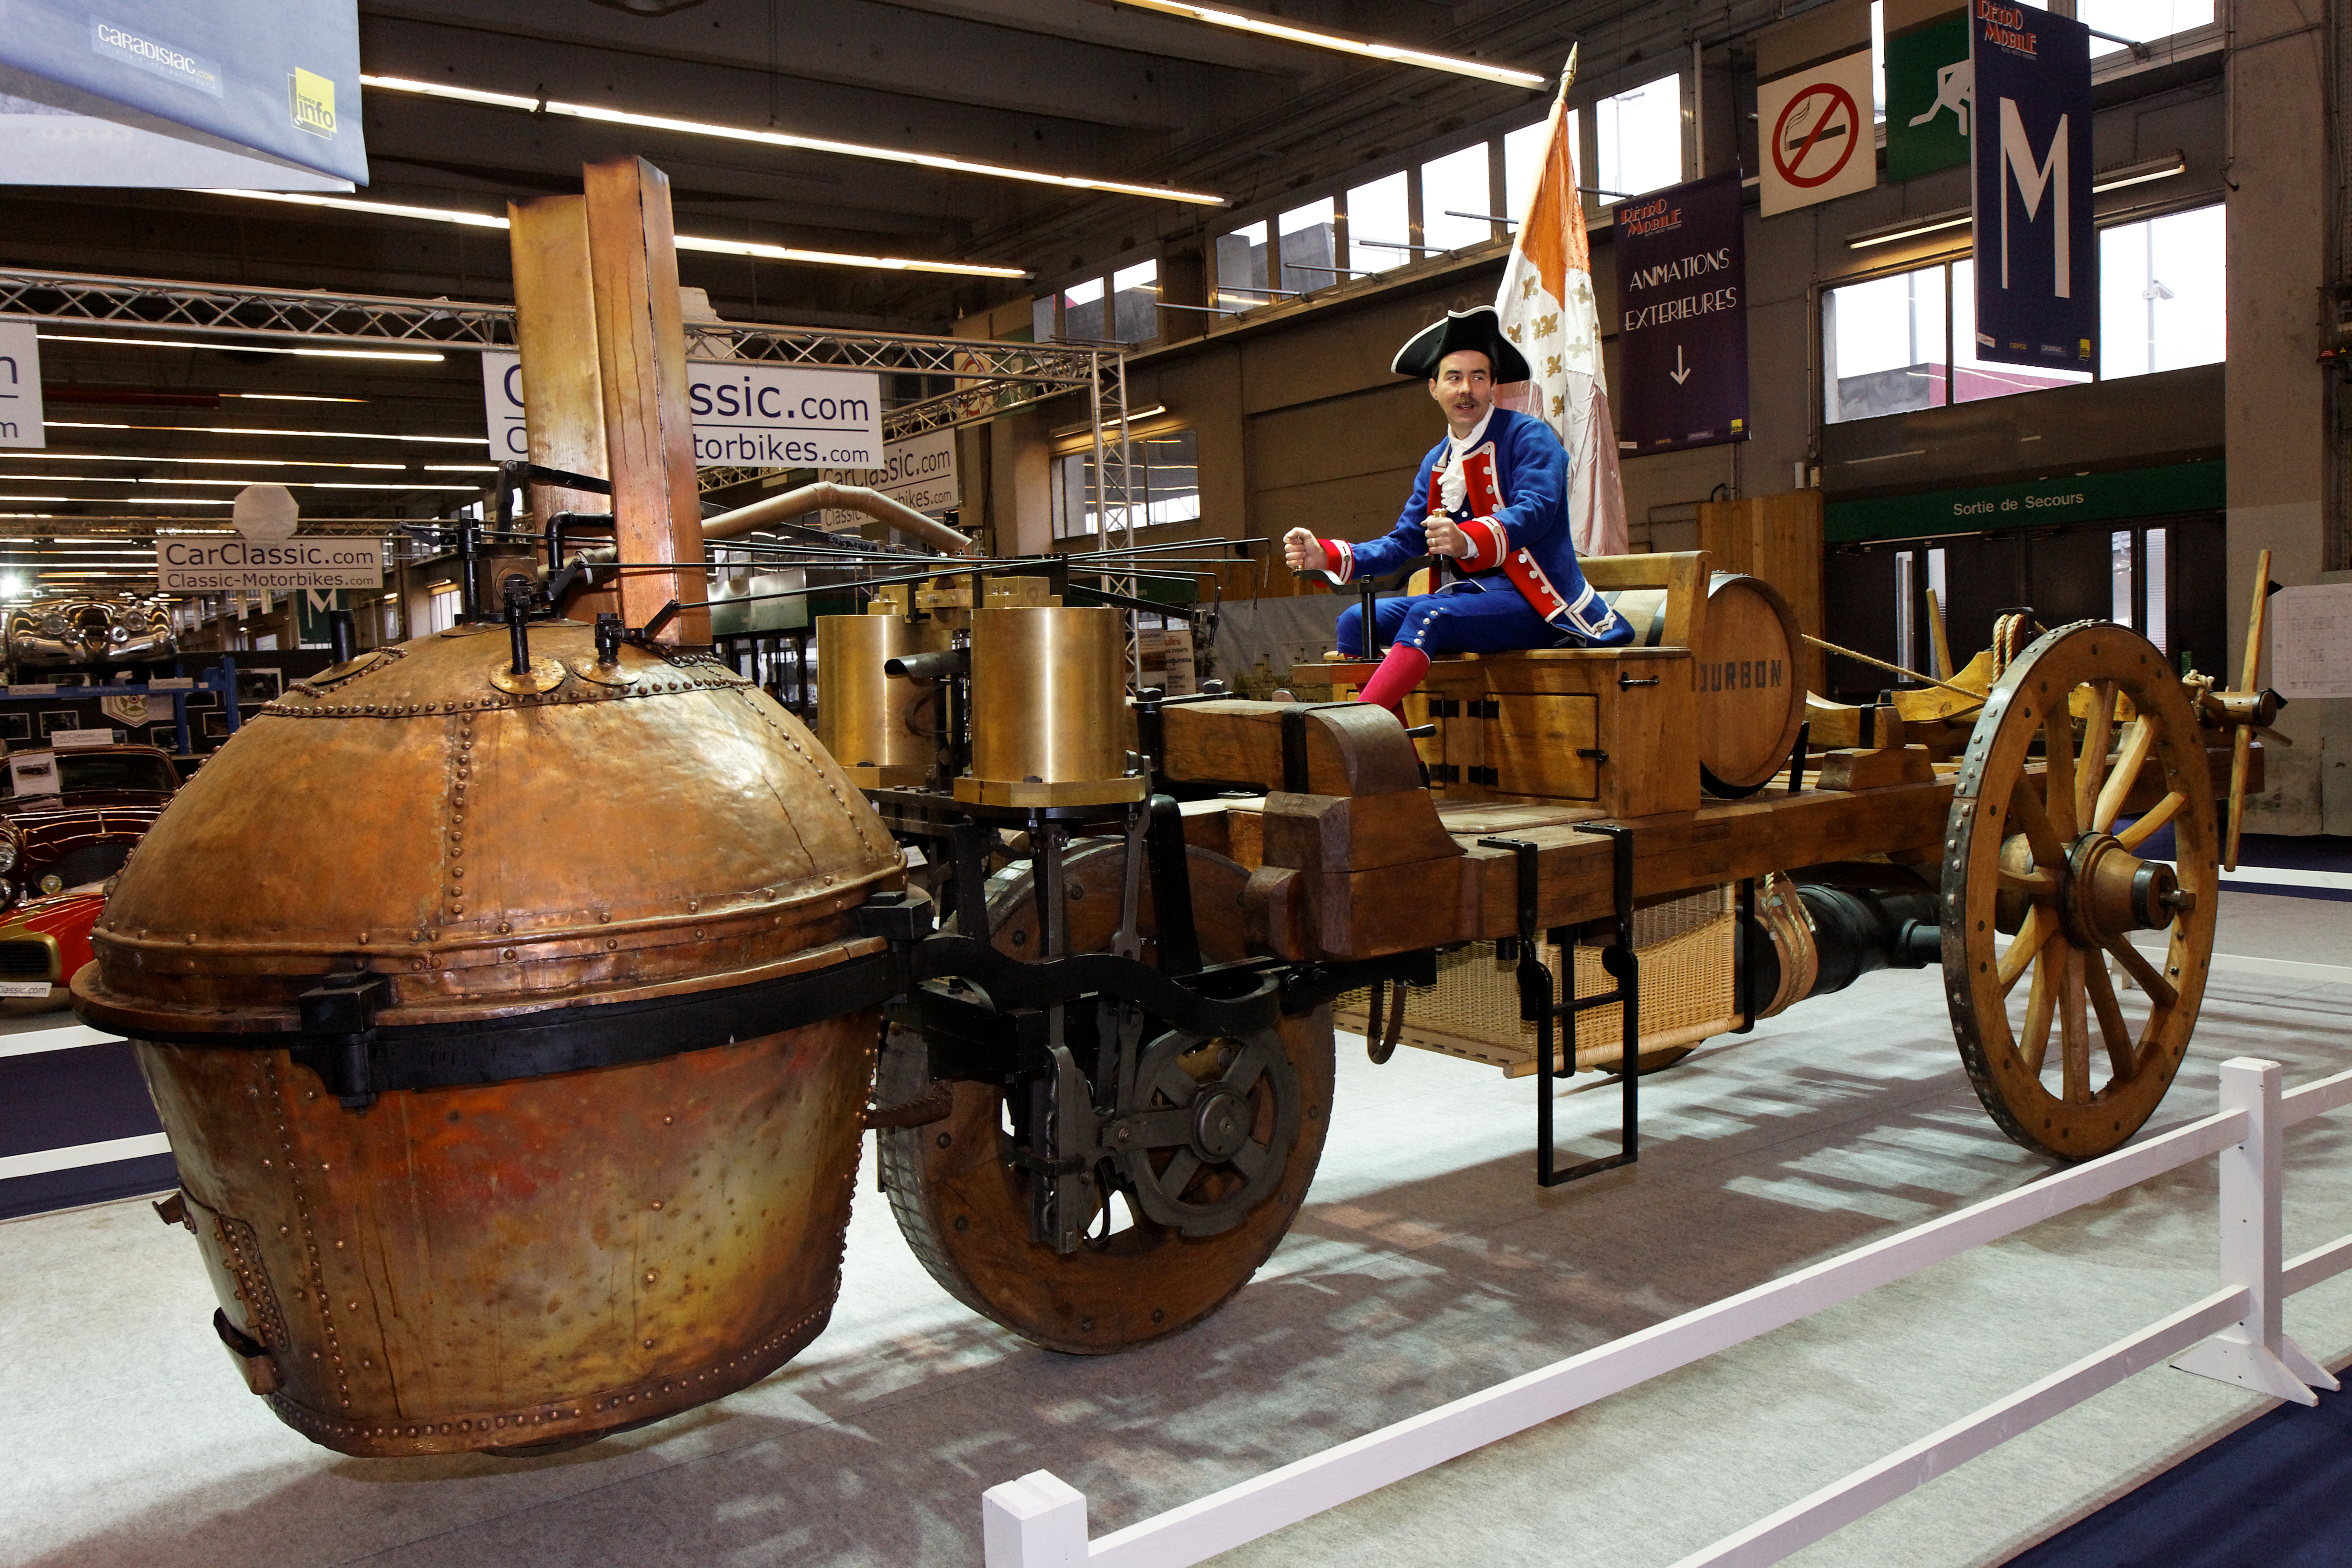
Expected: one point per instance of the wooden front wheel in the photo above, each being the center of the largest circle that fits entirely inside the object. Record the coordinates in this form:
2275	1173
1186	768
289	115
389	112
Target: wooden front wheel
963	1206
2033	848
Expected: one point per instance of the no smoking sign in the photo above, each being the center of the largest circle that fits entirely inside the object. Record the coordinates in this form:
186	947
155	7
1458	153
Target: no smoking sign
1817	133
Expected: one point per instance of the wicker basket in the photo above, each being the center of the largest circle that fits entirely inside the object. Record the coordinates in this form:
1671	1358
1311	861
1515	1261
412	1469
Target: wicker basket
1472	1012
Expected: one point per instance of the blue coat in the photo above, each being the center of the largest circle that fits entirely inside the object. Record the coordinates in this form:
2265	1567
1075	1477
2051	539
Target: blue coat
1515	513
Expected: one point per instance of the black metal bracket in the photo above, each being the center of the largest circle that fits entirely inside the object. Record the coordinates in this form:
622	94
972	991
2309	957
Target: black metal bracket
1626	682
1171	889
1796	758
1743	973
1539	1002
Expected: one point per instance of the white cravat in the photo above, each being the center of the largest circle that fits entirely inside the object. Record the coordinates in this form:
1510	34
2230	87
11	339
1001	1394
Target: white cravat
1452	488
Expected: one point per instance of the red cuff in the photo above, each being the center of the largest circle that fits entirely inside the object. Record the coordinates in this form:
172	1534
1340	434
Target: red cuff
1338	560
1489	545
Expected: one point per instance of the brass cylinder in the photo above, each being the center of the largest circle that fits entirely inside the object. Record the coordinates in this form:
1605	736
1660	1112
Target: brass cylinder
1048	695
866	719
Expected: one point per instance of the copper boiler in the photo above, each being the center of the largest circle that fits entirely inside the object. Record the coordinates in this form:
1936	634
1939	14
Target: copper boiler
512	1033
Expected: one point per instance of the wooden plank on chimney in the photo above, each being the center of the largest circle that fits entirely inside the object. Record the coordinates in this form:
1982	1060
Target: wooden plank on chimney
649	432
555	332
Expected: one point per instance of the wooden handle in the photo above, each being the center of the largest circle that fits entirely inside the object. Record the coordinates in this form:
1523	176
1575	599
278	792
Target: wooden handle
2254	623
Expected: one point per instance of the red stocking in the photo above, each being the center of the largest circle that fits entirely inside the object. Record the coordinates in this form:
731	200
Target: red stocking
1399	673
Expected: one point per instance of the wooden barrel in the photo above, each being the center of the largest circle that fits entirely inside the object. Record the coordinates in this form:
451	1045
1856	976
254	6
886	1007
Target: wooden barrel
1749	672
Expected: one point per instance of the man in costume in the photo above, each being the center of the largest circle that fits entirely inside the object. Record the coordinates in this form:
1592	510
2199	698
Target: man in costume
1490	502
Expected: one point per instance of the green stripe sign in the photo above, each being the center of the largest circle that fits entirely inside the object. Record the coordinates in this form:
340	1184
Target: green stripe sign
2031	503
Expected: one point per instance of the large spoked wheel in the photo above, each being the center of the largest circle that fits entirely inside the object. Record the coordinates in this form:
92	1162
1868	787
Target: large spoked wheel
2034	850
1262	1106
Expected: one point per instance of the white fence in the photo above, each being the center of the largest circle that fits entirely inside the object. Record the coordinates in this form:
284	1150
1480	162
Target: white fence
2233	1335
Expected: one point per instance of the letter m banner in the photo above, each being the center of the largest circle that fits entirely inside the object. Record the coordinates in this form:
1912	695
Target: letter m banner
2036	263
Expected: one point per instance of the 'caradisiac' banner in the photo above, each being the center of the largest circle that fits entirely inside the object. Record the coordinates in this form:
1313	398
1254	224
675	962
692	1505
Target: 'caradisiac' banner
2037	265
203	88
1682	317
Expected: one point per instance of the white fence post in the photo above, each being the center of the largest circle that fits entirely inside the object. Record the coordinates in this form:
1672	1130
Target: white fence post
2254	1353
1037	1522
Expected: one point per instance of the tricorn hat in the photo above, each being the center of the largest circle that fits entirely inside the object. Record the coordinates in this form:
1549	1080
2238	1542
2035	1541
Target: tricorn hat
1480	330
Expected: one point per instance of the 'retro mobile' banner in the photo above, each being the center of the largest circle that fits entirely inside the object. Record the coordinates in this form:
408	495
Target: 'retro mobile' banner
1682	317
2036	260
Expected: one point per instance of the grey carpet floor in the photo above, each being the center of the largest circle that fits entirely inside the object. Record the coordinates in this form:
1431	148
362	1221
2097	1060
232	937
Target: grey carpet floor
1425	1266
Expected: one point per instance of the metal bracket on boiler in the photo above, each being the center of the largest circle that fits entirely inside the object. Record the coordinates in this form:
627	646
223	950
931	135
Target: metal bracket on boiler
1539	1002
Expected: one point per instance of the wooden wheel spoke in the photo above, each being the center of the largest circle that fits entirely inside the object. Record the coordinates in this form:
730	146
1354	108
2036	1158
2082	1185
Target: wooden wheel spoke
2042	881
2039	926
2123	1053
2160	991
2034	1044
2140	832
2058	777
2091	772
2075	1033
2139	735
2048	848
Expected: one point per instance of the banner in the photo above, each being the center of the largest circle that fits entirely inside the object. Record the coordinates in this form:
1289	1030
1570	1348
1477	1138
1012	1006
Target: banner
272	81
747	414
1929	82
1682	325
20	385
1813	125
212	564
918	471
2036	260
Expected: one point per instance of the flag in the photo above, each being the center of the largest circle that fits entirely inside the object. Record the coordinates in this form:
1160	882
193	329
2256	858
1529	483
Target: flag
1548	310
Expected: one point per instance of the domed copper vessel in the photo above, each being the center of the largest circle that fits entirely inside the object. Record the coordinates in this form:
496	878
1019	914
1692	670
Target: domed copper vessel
512	1035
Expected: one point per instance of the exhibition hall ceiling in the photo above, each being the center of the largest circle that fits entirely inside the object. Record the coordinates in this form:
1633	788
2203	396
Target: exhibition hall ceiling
1065	88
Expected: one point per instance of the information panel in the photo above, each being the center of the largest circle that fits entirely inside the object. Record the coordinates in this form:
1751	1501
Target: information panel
2037	263
1682	328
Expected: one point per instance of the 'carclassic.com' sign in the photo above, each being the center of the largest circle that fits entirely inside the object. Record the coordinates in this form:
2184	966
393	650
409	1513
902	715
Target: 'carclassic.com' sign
745	414
212	564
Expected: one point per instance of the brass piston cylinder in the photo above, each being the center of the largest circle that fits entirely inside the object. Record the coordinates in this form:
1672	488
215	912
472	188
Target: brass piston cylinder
1049	724
879	730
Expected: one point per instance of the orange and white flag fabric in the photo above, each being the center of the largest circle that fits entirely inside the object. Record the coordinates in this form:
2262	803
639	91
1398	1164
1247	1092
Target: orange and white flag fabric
1549	312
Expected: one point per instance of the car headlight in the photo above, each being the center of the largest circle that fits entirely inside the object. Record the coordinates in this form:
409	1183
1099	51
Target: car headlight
7	853
53	883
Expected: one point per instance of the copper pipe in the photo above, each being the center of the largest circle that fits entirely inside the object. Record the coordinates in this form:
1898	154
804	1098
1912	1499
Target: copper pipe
850	497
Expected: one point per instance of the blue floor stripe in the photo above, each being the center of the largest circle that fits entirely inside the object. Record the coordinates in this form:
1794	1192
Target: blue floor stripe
24	1195
59	1099
2275	1493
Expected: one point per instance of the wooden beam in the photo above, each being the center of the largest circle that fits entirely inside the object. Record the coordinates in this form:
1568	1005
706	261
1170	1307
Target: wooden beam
641	360
556	332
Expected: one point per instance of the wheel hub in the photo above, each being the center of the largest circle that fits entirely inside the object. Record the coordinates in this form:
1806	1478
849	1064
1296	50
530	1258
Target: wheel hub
1221	1123
2108	892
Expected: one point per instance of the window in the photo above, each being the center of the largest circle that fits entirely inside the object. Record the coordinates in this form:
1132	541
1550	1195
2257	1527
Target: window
1041	325
1522	153
1082	310
2140	20
1306	236
2161	298
1639	136
441	607
1455	203
1882	341
1135	301
1162	480
1241	268
1380	226
2138	586
1907	341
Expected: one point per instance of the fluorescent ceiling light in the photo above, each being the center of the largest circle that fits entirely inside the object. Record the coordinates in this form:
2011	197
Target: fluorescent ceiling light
242	430
16	500
461	468
782	139
684	242
290	397
1275	28
248	348
224	462
2161	168
177	500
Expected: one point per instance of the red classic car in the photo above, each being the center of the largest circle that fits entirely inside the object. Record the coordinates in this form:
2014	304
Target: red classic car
42	943
99	801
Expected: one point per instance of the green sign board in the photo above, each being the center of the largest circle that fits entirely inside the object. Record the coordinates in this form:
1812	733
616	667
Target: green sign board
1927	97
2031	503
311	606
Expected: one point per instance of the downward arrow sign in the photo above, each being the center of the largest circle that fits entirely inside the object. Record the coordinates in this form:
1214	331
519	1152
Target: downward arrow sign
1681	373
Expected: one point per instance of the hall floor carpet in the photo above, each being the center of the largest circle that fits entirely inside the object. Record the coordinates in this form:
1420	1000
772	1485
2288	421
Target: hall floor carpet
1425	1266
